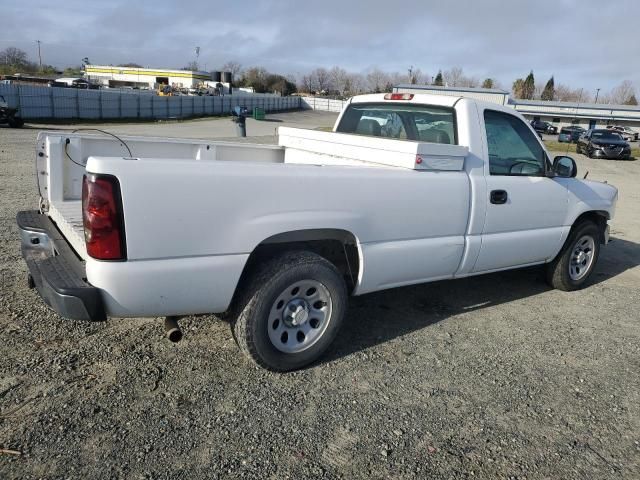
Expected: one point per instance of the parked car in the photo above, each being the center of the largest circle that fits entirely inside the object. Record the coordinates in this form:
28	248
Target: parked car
145	227
544	127
627	133
603	143
9	115
570	134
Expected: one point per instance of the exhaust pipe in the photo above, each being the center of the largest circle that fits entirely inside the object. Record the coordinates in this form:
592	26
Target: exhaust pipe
172	329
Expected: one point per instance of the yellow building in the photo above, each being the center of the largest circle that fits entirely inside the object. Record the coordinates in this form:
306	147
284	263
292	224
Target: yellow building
151	78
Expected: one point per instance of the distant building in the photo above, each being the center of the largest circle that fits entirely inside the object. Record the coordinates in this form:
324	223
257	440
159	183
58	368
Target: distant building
152	78
560	114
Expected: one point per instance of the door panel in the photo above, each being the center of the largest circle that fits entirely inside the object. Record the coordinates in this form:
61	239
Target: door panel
528	227
525	208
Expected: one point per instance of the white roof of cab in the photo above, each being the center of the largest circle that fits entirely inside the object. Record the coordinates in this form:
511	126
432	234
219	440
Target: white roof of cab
441	100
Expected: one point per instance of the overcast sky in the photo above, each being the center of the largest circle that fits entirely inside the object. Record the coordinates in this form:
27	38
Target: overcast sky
588	43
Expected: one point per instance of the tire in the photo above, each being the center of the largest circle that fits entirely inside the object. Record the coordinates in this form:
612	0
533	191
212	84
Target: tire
567	271
16	122
265	328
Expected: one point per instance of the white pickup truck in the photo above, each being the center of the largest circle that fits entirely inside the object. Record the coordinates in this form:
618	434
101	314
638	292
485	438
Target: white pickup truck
406	189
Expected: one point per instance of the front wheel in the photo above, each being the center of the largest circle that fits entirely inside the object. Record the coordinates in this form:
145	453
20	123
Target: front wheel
575	263
290	311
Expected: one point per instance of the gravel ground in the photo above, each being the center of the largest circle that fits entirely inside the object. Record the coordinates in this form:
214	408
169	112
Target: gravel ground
487	377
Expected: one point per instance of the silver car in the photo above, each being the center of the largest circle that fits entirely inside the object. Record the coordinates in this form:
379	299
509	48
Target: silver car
627	133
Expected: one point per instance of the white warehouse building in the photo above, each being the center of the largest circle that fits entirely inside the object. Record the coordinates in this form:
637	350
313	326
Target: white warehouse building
560	114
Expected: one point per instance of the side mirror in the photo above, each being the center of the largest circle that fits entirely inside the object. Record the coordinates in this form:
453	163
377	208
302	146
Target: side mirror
565	167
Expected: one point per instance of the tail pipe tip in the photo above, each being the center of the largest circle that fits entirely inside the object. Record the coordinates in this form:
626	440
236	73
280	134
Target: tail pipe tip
172	329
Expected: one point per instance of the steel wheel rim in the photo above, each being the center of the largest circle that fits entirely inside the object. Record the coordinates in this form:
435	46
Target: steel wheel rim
299	316
581	259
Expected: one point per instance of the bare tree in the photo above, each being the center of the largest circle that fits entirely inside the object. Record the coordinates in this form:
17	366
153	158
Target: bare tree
377	80
193	66
234	67
321	79
13	56
419	77
338	77
255	77
453	77
397	78
469	82
622	93
564	93
305	84
357	83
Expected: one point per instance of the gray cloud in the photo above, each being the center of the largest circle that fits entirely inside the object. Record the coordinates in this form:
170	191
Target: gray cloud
583	43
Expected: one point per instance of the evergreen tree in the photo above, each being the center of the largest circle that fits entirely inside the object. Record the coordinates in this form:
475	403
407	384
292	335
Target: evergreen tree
632	100
487	83
529	87
439	81
549	90
518	88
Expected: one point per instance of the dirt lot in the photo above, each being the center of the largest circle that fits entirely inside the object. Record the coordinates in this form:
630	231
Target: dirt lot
488	377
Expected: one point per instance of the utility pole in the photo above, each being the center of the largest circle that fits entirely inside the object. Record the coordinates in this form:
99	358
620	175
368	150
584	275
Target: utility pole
597	92
39	55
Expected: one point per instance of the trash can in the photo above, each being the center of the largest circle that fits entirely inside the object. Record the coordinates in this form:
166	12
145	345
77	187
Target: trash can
258	113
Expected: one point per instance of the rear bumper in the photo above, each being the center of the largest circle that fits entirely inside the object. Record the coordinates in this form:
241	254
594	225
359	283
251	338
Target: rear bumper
56	271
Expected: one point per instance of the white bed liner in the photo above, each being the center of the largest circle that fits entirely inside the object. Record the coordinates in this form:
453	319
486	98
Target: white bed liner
67	216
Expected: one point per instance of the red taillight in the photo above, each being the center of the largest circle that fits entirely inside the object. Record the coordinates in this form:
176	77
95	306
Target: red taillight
398	96
102	217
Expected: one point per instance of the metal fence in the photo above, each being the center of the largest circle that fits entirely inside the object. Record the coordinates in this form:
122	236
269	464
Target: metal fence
70	103
323	104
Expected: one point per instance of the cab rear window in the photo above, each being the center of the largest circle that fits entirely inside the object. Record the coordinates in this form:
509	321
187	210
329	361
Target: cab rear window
421	123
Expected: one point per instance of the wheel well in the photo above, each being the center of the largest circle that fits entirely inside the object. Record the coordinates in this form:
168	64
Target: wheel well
599	217
340	247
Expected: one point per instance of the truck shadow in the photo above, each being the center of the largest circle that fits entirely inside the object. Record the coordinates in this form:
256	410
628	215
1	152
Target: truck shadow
377	318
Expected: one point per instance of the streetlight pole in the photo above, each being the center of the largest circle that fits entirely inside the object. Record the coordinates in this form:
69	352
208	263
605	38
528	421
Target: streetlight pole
597	93
39	56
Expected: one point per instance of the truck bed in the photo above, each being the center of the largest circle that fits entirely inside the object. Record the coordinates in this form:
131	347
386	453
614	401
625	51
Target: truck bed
62	156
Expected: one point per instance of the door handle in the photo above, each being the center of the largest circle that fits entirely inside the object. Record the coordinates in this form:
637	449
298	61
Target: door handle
499	197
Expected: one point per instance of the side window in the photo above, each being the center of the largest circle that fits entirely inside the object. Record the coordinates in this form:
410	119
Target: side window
513	148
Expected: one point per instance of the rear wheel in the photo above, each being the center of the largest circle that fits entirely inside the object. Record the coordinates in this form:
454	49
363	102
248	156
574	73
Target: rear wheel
290	311
16	122
575	263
